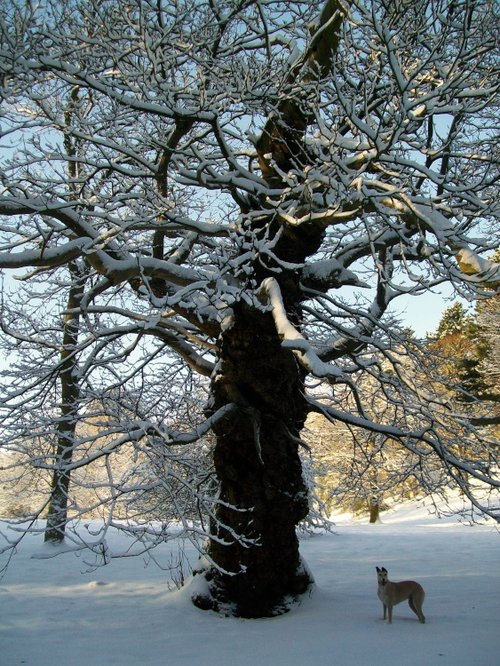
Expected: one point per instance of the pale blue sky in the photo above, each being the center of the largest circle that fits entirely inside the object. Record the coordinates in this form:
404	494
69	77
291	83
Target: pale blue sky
423	313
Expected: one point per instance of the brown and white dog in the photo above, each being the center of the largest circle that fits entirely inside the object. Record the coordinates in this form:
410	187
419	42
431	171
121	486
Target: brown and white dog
391	594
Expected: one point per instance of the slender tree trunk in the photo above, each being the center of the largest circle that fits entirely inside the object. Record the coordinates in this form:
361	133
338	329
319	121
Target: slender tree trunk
374	510
262	492
57	515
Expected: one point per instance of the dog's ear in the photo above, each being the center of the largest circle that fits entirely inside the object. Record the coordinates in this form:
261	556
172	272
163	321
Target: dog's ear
377	569
384	570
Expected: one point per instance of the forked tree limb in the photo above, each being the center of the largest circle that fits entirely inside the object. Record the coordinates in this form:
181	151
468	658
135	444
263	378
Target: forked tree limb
281	139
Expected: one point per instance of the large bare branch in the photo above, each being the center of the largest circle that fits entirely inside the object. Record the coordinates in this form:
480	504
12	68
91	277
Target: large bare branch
281	140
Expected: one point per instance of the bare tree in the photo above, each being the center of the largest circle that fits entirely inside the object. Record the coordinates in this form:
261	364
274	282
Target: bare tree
69	374
261	182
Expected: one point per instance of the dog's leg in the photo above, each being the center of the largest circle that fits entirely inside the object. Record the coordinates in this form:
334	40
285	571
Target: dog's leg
389	613
412	605
416	609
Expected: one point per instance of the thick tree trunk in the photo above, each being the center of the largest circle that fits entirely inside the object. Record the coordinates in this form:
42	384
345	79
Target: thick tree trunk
254	545
257	568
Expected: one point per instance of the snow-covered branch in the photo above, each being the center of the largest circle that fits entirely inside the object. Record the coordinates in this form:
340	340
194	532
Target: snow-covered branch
292	338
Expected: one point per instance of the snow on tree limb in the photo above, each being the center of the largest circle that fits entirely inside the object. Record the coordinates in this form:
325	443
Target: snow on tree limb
484	270
291	337
416	440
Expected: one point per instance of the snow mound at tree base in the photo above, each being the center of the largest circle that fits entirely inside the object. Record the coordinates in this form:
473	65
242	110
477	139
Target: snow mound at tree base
208	590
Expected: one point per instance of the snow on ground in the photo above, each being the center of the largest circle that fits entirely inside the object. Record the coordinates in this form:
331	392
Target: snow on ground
52	612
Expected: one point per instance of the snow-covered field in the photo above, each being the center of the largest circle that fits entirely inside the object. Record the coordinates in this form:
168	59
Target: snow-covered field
124	613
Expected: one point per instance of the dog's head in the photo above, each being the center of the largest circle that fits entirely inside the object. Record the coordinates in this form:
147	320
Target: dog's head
382	575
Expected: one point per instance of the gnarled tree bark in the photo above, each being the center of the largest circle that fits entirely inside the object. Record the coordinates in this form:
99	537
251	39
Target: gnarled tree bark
262	493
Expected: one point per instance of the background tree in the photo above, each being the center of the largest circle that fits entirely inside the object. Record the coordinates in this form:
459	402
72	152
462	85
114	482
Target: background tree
467	346
456	341
488	321
259	183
